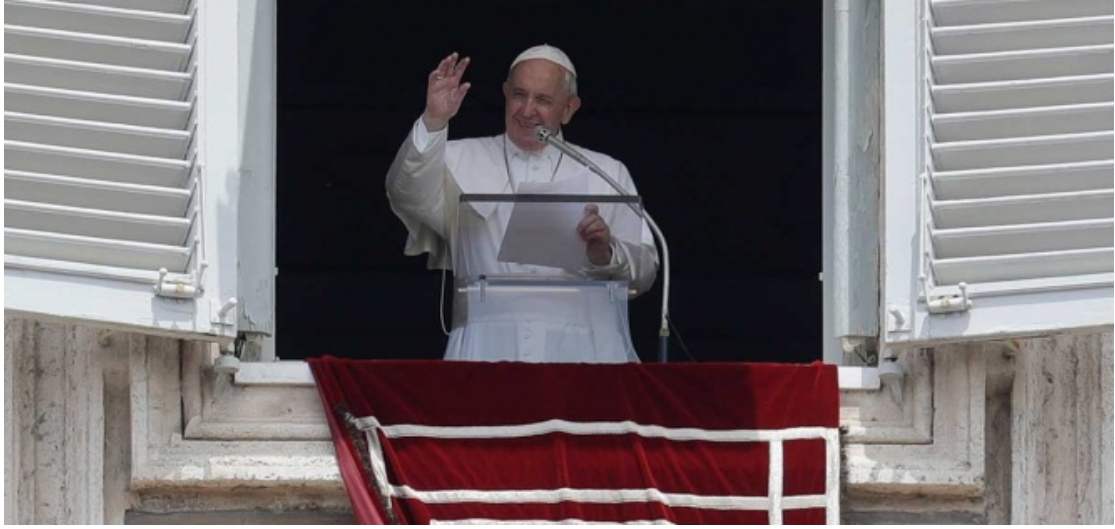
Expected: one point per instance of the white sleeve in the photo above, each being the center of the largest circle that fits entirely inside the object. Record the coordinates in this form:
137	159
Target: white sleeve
423	138
416	186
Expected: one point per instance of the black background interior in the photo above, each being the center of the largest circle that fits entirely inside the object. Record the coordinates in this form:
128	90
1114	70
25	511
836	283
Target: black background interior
714	106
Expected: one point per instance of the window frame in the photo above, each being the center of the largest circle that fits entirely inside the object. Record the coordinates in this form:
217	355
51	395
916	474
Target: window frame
257	49
851	281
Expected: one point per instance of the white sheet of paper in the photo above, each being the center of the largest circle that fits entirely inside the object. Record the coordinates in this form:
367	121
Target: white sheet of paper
545	234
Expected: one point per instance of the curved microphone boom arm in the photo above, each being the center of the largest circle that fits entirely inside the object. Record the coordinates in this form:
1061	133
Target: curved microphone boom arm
545	136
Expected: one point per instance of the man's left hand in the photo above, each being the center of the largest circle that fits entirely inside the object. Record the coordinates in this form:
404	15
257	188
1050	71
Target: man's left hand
597	236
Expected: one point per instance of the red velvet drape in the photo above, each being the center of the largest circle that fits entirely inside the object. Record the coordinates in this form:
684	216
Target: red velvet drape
682	443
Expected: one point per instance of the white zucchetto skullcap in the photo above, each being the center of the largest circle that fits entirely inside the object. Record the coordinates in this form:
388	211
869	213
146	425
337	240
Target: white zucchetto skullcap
550	53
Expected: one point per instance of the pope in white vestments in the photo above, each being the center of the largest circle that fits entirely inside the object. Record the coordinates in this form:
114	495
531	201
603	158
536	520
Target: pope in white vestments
430	173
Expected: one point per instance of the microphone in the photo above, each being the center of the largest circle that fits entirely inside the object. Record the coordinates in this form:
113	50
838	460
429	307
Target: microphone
545	136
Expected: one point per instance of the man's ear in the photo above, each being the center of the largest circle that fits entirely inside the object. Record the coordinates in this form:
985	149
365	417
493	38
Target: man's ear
506	90
571	107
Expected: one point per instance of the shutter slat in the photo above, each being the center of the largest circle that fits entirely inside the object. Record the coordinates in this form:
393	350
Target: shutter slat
1021	130
99	145
1015	36
90	250
87	18
95	194
1023	238
100	49
1026	64
96	165
1024	209
1002	268
1033	180
1013	123
93	106
160	6
1025	93
96	223
81	134
998	196
961	12
1014	152
93	77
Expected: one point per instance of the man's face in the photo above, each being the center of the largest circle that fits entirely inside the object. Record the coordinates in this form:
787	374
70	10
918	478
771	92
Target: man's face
536	94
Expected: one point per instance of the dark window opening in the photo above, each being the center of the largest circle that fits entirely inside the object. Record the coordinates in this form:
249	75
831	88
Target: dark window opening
715	107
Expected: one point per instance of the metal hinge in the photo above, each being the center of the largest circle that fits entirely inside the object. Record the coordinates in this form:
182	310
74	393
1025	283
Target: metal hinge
178	289
222	313
946	304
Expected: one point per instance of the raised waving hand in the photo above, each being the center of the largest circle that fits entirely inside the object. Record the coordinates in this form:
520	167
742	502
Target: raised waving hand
445	92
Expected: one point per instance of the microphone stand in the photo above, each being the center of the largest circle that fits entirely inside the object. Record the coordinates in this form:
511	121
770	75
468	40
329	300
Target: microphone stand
545	136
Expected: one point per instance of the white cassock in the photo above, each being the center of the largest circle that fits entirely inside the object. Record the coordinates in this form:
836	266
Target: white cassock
424	184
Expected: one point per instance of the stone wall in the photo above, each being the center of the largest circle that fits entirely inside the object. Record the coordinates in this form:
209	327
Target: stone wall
126	428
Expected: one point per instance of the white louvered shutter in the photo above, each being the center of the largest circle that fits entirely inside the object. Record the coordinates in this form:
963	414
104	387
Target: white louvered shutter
999	168
115	179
